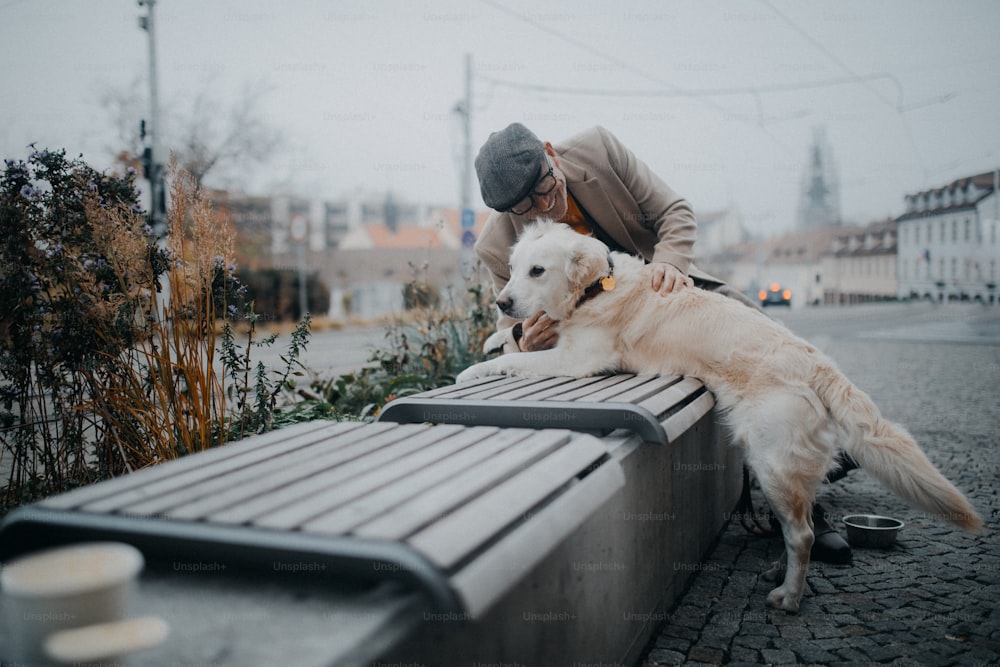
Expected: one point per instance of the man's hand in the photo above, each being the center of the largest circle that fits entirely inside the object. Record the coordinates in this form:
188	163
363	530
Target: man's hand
667	278
540	332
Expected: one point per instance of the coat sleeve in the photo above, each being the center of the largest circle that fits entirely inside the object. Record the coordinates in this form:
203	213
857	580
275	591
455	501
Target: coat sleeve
493	251
664	212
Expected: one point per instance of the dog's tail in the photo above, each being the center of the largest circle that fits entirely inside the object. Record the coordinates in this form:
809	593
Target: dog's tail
889	453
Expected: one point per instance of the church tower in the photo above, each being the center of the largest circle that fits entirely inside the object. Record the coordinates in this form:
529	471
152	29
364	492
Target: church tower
819	199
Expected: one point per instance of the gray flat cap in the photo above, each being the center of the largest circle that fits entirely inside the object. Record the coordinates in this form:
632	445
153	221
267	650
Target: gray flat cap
508	166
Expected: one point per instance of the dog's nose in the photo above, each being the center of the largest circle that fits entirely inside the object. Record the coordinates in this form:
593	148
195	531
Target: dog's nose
505	303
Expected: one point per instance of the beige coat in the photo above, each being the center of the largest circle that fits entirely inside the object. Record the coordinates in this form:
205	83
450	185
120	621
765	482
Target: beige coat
623	196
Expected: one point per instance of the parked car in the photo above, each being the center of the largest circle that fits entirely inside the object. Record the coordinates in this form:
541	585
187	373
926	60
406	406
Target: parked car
775	295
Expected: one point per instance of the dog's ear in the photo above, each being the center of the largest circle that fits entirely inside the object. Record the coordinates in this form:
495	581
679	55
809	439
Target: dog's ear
587	262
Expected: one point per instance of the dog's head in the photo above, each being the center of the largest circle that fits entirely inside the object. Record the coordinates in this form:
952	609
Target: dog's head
551	267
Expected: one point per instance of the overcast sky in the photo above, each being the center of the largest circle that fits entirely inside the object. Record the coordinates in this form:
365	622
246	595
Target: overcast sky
719	98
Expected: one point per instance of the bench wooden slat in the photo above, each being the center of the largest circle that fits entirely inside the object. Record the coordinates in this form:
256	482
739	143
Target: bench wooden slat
389	477
612	391
514	386
582	388
315	476
523	387
662	401
139	478
644	386
244	489
180	480
563	392
473	388
677	424
237	486
454	537
373	505
523	449
164	494
289	508
454	390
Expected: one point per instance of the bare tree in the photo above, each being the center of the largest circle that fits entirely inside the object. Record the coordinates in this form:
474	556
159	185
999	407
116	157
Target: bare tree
125	107
211	136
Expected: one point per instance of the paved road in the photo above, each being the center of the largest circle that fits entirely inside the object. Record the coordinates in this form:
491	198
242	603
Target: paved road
330	351
934	598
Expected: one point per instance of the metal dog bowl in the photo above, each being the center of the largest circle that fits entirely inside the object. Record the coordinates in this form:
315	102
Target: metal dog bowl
871	530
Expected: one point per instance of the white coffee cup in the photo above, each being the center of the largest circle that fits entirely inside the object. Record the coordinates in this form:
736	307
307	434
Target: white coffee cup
64	588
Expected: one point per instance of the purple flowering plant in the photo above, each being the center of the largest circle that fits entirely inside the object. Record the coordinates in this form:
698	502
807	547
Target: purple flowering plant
109	336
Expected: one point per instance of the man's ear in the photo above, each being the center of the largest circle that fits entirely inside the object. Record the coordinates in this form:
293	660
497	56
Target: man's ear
551	152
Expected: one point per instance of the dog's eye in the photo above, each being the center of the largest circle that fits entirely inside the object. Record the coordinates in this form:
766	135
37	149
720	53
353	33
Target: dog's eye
536	271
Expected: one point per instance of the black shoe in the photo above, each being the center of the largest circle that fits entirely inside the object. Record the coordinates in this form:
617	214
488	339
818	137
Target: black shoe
829	546
845	464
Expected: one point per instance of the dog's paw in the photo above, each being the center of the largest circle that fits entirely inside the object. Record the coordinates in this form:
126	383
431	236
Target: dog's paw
496	342
782	598
468	375
474	372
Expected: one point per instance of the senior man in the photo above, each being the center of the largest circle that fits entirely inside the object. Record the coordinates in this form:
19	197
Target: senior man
596	185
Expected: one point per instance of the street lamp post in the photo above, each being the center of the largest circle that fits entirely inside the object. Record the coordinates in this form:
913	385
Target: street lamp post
157	208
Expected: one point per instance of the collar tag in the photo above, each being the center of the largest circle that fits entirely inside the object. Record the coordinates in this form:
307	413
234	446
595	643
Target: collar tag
608	283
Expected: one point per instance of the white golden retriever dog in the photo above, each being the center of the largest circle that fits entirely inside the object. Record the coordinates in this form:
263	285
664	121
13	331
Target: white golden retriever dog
784	401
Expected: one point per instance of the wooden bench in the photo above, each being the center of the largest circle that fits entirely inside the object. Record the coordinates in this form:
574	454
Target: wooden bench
439	510
474	540
657	409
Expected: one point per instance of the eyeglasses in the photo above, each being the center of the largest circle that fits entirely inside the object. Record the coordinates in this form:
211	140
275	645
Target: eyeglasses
543	187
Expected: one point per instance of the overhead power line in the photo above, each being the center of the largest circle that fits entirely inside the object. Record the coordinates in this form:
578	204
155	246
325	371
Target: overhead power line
695	92
898	107
623	64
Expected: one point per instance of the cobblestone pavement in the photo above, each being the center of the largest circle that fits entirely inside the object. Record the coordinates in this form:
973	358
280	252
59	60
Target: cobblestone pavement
931	599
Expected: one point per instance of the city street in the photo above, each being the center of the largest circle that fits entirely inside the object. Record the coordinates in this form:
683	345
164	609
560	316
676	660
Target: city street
330	352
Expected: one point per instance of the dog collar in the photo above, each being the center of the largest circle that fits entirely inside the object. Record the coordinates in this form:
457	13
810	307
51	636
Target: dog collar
605	284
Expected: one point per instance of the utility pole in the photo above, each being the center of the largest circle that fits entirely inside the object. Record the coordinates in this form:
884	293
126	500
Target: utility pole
152	167
464	108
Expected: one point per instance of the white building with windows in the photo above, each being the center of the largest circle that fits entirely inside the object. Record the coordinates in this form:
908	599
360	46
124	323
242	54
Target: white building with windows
861	265
948	242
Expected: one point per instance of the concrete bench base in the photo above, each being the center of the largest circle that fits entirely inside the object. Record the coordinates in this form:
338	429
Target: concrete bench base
600	595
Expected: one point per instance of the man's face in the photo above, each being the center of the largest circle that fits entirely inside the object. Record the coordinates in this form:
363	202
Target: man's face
552	205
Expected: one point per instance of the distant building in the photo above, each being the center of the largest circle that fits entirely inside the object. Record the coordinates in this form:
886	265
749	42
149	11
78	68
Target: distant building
365	246
793	260
331	221
368	268
251	221
948	245
717	230
369	237
861	265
